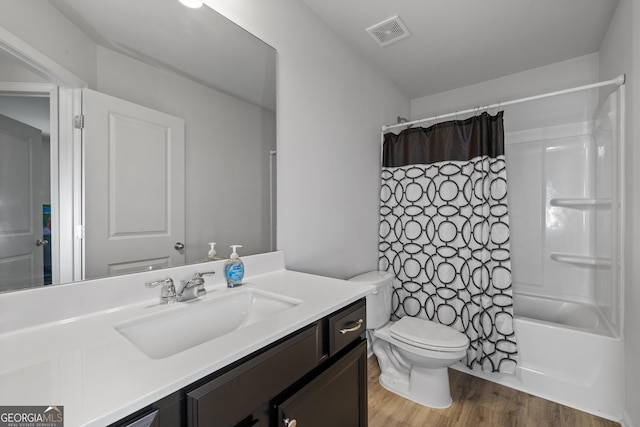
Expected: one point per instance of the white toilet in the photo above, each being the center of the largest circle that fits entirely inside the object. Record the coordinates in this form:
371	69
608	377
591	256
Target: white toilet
413	353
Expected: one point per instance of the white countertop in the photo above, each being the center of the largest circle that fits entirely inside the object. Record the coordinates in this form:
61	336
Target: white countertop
85	365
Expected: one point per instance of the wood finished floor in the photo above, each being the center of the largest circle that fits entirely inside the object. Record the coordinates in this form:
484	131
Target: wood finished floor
476	403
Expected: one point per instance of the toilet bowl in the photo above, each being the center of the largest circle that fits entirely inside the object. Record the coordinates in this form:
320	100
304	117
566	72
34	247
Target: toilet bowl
413	353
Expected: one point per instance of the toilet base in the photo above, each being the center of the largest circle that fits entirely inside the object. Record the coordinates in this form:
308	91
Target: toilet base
427	387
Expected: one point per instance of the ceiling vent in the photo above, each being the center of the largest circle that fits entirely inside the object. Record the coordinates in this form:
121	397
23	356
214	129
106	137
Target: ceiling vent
388	31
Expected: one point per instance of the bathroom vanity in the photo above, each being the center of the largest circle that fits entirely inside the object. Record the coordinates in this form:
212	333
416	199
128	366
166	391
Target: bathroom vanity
294	380
299	356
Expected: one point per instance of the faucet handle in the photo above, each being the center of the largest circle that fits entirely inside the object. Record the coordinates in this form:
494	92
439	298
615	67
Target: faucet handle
168	281
168	293
206	273
200	290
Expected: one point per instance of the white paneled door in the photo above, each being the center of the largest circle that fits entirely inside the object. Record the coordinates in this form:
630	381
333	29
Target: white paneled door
134	179
21	238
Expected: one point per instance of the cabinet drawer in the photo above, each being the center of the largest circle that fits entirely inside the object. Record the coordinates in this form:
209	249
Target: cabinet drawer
346	325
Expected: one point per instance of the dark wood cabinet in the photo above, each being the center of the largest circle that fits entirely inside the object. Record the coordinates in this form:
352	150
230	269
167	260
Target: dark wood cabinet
316	376
336	397
231	397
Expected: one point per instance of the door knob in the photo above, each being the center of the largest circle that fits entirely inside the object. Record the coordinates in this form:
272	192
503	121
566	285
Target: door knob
178	246
290	423
42	242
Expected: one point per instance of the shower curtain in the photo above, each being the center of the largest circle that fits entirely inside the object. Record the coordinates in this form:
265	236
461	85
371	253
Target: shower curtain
444	232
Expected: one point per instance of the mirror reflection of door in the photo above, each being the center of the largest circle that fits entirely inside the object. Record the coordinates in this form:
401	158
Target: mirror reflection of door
23	197
134	187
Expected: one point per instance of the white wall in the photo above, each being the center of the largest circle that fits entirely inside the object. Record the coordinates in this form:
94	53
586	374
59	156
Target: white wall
331	105
12	71
619	53
548	112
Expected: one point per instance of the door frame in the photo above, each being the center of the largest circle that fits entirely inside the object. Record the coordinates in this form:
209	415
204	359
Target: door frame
64	90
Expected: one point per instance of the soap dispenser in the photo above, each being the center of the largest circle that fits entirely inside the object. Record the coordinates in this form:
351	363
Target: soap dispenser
234	268
212	255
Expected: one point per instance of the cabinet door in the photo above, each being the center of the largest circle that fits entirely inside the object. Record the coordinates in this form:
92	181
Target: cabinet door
336	397
232	398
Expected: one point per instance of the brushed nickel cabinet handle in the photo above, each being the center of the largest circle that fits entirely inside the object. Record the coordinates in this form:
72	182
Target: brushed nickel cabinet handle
290	423
354	328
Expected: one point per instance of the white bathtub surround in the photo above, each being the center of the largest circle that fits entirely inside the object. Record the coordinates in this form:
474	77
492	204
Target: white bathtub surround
566	209
580	316
532	266
585	368
565	201
65	350
566	365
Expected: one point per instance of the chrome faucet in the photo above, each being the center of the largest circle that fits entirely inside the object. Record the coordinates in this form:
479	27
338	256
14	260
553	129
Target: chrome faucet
167	293
193	288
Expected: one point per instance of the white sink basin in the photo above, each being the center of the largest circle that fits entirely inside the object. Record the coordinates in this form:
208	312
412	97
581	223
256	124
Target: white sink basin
185	325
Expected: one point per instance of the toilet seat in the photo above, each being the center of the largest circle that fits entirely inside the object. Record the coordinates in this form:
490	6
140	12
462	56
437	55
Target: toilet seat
428	335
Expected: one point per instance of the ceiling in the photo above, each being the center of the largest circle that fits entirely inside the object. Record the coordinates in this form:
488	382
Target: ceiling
455	43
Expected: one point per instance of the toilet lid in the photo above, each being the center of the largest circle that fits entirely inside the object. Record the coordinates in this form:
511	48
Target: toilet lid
429	335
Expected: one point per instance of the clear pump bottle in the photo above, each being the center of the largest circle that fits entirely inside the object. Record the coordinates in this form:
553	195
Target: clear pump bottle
212	255
234	268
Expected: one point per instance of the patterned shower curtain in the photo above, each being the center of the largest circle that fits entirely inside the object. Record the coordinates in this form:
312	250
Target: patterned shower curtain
444	232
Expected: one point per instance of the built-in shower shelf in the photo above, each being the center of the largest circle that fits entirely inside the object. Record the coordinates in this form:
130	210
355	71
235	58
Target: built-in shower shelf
579	203
582	260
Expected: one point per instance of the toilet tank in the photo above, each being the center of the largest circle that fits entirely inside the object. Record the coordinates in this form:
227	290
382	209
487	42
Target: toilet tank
379	301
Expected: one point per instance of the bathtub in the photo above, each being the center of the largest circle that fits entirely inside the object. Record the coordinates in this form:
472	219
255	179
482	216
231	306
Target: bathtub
567	354
571	314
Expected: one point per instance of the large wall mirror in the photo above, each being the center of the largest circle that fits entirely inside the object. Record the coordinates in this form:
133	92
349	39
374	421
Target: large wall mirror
177	148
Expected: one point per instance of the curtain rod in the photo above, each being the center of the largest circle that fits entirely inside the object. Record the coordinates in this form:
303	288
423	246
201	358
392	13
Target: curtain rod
617	81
